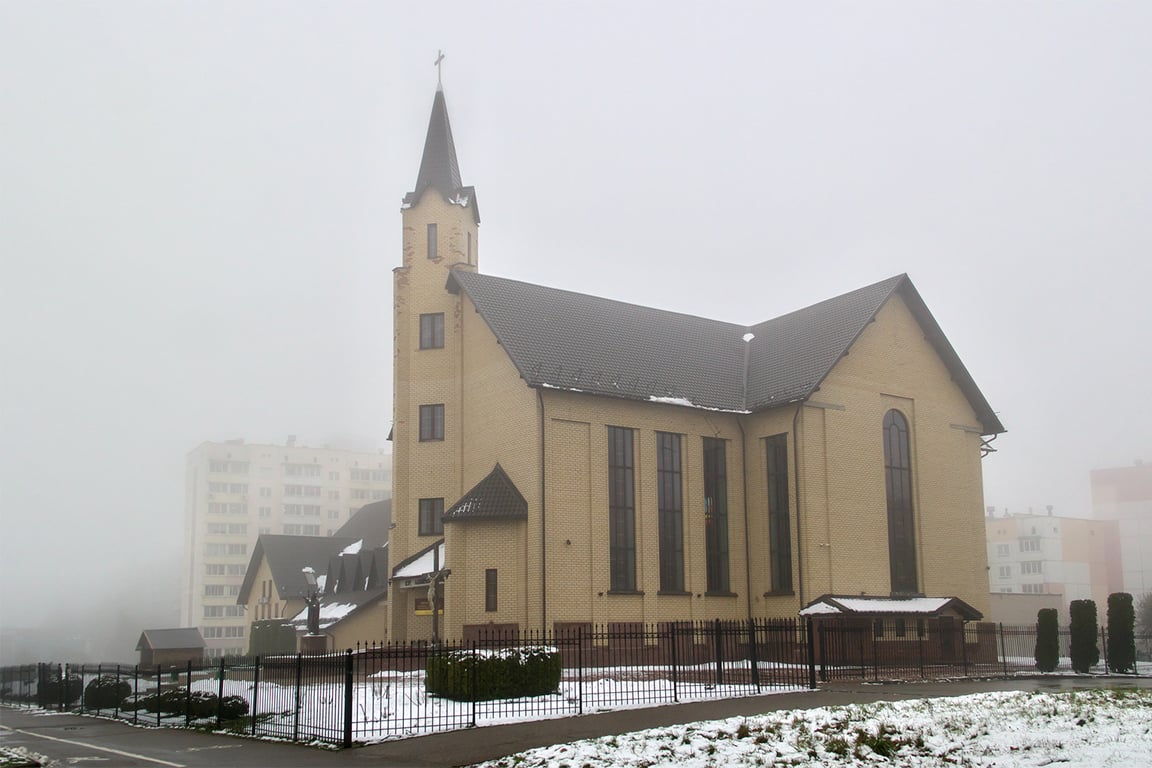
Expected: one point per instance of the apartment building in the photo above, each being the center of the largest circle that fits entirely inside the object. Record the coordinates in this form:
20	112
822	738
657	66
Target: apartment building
1124	494
1074	558
235	491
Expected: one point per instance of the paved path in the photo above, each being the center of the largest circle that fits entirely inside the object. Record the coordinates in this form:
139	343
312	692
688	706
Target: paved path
75	740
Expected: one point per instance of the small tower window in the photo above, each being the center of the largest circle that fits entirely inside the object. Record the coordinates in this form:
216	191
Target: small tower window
468	255
432	422
432	331
432	241
431	517
490	589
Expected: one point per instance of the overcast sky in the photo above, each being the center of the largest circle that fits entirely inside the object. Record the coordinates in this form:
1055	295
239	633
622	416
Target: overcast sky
199	213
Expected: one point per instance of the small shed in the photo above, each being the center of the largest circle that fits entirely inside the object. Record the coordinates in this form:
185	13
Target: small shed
168	647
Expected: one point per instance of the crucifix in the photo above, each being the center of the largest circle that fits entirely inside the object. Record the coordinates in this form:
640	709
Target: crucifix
439	58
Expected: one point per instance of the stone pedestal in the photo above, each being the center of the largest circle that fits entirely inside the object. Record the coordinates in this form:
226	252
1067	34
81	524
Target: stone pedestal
313	645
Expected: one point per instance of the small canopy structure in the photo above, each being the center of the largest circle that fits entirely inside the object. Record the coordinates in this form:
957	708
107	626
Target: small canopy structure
863	606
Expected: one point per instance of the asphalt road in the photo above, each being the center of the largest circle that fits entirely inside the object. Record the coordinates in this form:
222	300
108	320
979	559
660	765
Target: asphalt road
66	740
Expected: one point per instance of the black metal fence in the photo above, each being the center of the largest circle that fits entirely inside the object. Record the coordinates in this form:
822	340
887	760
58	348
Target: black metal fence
378	691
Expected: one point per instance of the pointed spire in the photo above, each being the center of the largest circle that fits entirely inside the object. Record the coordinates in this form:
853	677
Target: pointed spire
439	168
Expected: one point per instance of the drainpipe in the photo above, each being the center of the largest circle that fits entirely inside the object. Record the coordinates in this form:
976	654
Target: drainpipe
799	527
543	521
747	545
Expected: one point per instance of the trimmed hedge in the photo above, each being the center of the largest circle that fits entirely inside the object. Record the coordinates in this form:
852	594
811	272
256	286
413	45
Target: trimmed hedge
105	692
506	673
1047	640
1085	652
201	705
1121	633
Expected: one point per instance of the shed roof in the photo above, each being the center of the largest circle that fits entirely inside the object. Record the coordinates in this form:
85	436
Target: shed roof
178	638
865	605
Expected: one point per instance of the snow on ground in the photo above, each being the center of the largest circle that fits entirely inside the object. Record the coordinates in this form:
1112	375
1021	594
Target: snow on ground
1079	729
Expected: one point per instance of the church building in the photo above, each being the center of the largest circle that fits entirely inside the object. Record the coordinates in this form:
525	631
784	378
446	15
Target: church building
561	459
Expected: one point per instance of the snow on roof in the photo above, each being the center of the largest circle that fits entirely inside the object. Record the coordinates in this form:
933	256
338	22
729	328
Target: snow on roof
422	565
902	605
353	548
330	613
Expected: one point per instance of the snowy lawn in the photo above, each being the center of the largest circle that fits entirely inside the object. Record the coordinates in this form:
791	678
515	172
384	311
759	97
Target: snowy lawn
1075	729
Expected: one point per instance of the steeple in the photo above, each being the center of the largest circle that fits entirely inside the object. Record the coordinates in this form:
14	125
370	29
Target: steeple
439	168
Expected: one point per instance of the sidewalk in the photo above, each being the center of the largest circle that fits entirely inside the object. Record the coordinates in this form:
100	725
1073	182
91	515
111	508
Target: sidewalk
72	738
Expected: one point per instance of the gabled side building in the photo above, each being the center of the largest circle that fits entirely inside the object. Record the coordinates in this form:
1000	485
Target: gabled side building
564	459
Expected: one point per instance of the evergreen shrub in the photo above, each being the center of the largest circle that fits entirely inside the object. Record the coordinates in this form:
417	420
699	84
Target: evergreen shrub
1121	650
1085	651
105	692
1047	640
51	692
504	673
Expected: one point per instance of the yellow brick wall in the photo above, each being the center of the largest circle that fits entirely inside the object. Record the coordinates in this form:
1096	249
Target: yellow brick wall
425	377
891	365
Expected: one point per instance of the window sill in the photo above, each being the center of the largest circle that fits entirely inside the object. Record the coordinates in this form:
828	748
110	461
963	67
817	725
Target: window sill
780	593
674	593
720	594
430	533
624	592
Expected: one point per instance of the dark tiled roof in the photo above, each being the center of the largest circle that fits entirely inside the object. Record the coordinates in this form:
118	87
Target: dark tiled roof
369	524
496	496
170	639
439	168
287	556
366	569
564	340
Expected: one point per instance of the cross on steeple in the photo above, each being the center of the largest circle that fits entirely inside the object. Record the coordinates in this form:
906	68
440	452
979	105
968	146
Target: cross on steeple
439	58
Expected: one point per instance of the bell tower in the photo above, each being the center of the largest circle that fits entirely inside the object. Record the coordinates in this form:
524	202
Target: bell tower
440	227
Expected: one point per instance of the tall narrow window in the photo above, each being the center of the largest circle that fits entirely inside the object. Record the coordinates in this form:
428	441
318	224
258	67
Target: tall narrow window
490	590
431	517
468	255
621	510
779	523
898	483
432	422
716	513
432	331
432	241
671	509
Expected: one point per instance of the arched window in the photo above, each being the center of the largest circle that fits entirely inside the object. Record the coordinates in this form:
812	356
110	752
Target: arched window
898	482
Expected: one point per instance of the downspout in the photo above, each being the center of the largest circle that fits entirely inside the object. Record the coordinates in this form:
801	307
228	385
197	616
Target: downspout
747	545
799	527
543	521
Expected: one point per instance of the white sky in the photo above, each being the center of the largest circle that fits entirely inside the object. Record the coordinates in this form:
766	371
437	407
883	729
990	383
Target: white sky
199	213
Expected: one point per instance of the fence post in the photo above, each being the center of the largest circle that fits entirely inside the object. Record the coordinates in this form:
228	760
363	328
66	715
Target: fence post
752	653
964	646
921	631
472	684
62	672
580	669
675	662
299	680
1003	651
823	659
135	694
876	650
811	643
255	692
220	694
116	706
348	698
717	642
188	698
159	690
1104	644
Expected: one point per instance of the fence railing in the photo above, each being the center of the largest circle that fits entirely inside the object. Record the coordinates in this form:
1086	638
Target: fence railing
378	691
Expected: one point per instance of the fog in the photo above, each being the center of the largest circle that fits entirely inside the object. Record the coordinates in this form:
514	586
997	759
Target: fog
199	213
